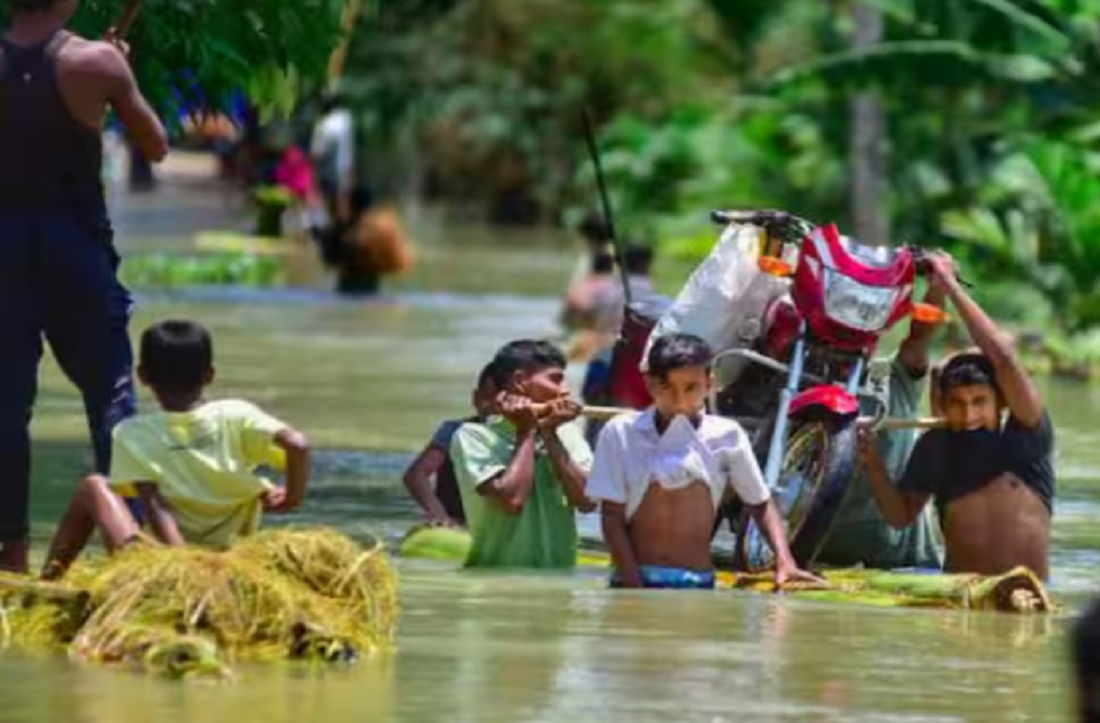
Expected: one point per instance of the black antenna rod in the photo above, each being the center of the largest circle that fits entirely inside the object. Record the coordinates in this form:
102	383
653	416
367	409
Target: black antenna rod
616	247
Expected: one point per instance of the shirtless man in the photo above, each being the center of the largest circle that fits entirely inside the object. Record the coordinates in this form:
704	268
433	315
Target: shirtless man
993	483
57	260
659	476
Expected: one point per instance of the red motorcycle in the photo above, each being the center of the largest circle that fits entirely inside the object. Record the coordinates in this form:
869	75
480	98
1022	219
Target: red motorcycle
809	373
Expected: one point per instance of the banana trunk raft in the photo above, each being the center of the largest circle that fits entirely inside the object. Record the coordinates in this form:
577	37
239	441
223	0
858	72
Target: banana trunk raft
1017	591
308	594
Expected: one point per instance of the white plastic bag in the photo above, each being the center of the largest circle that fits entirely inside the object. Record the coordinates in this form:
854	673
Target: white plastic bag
724	299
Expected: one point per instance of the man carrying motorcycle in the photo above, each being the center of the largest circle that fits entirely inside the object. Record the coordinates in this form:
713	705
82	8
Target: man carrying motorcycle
992	482
860	534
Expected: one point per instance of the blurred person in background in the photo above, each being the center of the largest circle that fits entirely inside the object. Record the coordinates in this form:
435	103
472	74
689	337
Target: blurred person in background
332	150
371	244
609	307
591	270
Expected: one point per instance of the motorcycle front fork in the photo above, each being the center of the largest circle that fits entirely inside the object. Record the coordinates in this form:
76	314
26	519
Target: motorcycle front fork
779	431
778	443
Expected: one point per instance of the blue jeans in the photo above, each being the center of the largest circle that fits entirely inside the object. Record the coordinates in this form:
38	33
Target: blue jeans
58	281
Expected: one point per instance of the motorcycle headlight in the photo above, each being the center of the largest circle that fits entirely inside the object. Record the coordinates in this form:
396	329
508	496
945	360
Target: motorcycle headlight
866	308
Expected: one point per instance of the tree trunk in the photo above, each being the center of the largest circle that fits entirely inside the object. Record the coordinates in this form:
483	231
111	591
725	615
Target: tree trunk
868	143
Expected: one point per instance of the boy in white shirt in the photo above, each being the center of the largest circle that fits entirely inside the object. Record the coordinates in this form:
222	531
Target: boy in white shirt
661	474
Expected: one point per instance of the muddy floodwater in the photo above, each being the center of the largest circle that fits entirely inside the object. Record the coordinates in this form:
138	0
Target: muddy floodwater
368	381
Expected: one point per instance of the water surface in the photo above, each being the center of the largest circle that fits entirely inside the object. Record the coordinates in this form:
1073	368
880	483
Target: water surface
368	381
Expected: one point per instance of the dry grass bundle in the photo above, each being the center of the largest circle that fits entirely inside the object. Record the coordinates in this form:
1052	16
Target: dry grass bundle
351	586
279	594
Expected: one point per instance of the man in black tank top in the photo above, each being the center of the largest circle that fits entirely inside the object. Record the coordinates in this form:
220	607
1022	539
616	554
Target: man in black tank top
993	483
57	260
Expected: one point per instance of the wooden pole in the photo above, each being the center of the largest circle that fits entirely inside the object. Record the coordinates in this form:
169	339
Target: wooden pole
891	423
340	54
128	15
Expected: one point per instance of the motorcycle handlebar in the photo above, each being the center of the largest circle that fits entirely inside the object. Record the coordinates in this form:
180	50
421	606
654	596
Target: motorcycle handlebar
783	223
776	222
920	260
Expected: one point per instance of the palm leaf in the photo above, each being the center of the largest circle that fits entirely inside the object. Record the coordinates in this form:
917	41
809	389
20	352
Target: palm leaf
1031	22
924	63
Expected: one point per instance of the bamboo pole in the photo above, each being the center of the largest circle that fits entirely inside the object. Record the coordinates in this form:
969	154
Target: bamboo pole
123	27
891	423
340	54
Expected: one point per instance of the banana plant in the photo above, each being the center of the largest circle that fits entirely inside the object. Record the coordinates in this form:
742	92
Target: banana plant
1042	226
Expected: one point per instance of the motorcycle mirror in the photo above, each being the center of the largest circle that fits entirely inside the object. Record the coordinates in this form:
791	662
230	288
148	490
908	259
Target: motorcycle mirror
928	314
775	266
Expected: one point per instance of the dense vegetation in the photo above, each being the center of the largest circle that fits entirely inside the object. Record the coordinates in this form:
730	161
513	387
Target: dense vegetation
199	54
989	143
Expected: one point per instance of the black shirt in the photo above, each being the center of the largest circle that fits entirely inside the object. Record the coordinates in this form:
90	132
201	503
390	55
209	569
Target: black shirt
446	483
49	159
950	465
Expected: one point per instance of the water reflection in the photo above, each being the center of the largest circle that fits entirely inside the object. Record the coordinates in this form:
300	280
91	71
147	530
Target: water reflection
38	689
480	648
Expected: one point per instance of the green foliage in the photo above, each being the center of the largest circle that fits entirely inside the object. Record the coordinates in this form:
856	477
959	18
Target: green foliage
221	269
494	90
198	52
703	104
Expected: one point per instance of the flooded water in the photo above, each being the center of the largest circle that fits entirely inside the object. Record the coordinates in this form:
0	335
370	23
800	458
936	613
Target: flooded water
368	381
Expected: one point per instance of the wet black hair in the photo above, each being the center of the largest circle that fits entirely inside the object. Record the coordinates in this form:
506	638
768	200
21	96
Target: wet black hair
677	351
638	259
603	262
331	100
968	370
176	355
488	374
594	229
1085	653
361	199
524	355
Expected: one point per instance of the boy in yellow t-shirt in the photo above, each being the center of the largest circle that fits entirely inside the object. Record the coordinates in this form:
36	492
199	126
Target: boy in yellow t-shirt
191	466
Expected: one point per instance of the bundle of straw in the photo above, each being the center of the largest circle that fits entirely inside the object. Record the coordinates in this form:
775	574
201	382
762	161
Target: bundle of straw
181	612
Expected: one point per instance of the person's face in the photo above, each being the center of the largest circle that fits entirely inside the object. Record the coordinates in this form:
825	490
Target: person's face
543	385
484	399
682	391
971	408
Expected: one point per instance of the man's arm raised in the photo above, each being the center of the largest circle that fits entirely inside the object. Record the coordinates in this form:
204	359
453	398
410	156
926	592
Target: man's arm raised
1019	391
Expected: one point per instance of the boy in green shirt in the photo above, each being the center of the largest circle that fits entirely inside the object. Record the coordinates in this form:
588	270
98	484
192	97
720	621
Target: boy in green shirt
522	474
